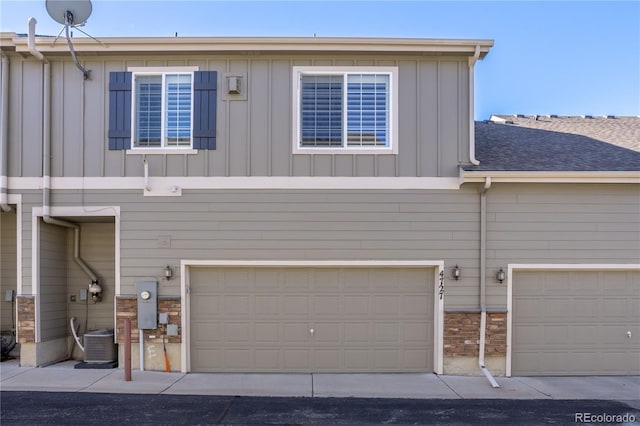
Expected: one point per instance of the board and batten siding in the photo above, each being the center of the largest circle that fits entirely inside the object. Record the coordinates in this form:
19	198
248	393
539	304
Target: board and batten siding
254	136
53	282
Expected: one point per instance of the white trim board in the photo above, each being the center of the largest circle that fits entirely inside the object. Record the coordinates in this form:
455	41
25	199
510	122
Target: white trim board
511	268
239	182
437	265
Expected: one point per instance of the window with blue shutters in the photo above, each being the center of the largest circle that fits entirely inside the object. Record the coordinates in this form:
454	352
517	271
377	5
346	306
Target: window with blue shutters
155	109
345	109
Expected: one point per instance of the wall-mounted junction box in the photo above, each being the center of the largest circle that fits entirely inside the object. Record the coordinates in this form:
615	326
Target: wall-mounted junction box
163	318
8	296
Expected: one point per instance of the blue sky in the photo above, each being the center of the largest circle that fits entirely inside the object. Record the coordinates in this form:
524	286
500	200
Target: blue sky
550	57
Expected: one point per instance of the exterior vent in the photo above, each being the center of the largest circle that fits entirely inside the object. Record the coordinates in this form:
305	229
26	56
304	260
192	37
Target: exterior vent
99	347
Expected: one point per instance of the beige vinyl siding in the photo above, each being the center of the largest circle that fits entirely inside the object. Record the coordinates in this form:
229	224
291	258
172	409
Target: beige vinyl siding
254	136
8	276
538	223
573	224
53	282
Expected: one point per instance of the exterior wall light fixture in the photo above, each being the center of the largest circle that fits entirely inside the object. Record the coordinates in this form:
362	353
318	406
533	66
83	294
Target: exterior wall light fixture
456	272
501	275
168	272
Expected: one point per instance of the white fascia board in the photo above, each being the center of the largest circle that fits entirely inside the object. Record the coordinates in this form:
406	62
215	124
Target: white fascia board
550	177
240	182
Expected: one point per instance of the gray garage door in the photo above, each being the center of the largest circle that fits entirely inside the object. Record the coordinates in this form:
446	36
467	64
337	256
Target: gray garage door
311	319
576	323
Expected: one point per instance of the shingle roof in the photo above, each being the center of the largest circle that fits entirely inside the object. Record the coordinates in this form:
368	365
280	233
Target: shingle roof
550	143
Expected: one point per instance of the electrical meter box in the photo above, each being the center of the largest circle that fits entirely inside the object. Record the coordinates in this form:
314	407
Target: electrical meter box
147	292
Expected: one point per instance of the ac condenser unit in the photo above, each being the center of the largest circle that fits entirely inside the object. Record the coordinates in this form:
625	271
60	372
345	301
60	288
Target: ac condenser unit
99	347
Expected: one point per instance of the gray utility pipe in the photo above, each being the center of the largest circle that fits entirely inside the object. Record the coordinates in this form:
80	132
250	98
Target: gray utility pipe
483	281
46	155
4	136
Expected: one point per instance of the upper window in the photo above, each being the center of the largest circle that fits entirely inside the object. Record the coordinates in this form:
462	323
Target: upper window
162	109
345	109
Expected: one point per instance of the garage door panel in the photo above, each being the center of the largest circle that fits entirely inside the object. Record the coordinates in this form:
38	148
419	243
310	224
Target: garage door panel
386	305
416	358
357	359
297	359
415	304
233	305
296	333
386	358
327	359
207	331
416	332
238	331
364	319
267	306
326	332
298	304
267	332
267	359
615	308
355	305
356	333
386	332
325	305
240	358
575	323
238	279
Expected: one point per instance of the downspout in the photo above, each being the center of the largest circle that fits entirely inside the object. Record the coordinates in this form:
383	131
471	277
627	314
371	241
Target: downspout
483	281
472	129
4	137
46	163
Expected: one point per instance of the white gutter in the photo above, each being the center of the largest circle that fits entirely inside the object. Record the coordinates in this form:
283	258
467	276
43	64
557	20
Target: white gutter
46	154
4	137
472	130
483	281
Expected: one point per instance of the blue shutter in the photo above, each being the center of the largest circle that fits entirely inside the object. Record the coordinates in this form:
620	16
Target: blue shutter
119	110
205	85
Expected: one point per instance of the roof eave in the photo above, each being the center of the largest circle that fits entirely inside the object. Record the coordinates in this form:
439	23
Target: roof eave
463	47
500	176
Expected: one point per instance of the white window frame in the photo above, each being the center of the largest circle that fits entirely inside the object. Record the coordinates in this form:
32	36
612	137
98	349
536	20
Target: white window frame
299	71
163	148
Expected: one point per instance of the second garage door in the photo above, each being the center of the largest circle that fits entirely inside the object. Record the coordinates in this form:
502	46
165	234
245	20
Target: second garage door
260	319
576	323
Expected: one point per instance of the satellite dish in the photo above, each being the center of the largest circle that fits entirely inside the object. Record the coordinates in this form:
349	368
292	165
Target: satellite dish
69	12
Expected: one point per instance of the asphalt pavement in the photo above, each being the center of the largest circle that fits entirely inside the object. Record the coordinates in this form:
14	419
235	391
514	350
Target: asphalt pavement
48	408
62	395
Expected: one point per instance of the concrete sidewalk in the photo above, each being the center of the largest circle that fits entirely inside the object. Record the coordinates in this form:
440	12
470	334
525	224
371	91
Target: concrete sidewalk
63	377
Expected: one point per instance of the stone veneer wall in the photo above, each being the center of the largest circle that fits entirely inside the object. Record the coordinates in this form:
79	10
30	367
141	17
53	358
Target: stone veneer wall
26	319
462	334
127	307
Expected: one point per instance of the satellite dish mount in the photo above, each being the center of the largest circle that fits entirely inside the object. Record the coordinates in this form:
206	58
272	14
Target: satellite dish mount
71	14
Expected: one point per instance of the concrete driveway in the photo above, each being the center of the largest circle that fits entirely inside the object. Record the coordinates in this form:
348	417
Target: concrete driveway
62	377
